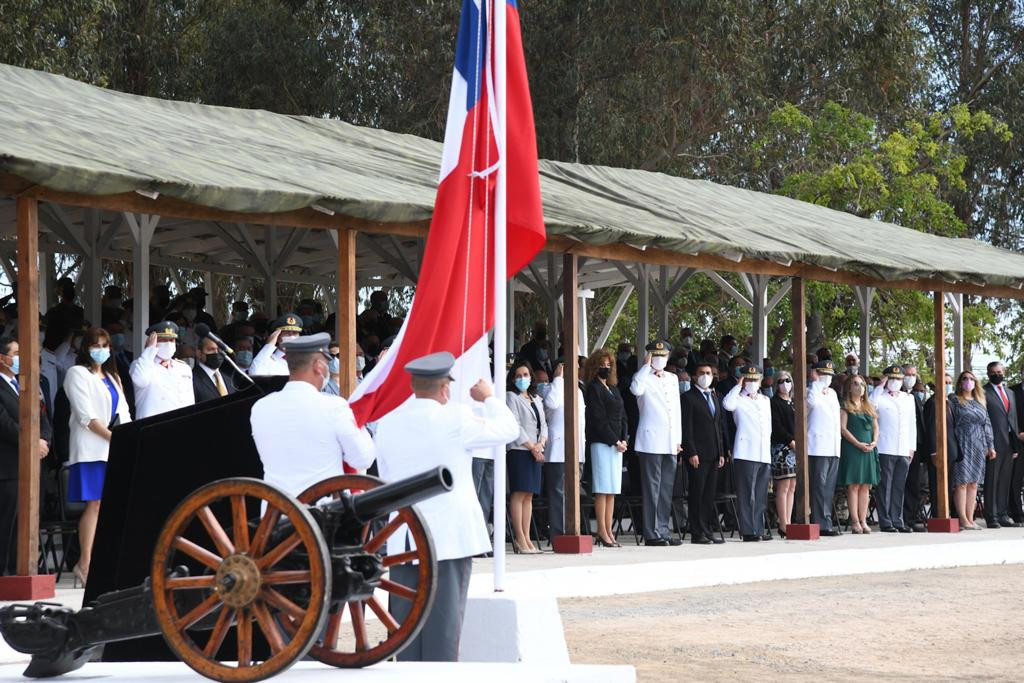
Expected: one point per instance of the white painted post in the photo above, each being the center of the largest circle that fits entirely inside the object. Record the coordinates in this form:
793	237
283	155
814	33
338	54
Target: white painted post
620	303
865	296
956	303
759	299
92	265
46	280
643	327
584	341
510	316
270	283
142	227
662	302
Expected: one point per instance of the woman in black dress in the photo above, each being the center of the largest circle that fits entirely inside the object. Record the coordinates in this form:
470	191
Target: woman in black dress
783	449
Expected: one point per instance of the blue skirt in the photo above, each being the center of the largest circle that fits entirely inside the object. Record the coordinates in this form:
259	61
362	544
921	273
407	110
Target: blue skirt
523	472
606	463
85	481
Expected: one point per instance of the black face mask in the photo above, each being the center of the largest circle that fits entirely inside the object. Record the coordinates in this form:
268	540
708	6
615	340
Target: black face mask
995	379
214	360
604	373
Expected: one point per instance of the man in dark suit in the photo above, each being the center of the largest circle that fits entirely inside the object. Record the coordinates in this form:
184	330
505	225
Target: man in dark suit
1002	411
9	415
1017	475
912	507
703	450
208	380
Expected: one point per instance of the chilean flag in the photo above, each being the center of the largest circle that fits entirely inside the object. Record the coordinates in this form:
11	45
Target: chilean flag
453	308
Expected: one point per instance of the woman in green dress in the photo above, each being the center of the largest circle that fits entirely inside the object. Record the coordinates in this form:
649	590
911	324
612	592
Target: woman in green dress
858	455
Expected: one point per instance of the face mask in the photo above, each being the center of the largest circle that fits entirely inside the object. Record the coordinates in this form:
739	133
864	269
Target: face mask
244	358
769	372
307	321
99	355
117	340
360	363
894	385
334	366
784	384
622	356
949	389
522	383
684	386
214	360
165	350
542	355
239	316
704	381
688	342
852	369
909	382
604	373
736	372
189	313
920	395
751	388
768	391
15	364
968	385
857	390
659	362
995	379
543	388
731	351
824	382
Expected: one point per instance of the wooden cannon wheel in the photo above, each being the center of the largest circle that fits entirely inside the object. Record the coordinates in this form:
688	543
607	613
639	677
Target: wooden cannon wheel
243	580
361	652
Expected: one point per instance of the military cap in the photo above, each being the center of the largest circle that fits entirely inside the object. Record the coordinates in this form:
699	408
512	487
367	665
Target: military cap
164	328
825	367
749	372
289	322
309	343
893	372
659	348
434	365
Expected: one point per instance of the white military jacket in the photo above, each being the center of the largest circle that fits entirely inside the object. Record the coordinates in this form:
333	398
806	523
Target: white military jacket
753	416
303	435
823	427
897	422
554	410
661	428
160	388
422	434
268	362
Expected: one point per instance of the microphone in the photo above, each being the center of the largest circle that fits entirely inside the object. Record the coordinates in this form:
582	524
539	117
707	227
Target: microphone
203	331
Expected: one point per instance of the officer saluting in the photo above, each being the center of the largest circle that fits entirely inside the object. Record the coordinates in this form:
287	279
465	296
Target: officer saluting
161	383
302	434
424	432
270	359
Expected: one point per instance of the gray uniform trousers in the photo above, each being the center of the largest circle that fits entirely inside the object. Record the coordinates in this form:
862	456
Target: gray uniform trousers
554	490
891	486
659	472
751	482
823	472
438	640
483	481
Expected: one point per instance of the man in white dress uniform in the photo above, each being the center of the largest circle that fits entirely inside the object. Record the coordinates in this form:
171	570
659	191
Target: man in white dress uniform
161	382
823	435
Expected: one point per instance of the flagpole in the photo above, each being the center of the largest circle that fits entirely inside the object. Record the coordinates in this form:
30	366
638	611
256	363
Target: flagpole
498	15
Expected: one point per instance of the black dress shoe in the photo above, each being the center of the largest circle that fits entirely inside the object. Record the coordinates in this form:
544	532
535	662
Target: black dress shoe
832	532
905	530
1006	521
887	529
655	541
766	537
991	524
701	541
917	527
673	541
751	538
716	540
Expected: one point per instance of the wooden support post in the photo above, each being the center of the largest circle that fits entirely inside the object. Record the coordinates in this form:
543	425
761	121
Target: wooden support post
943	523
347	309
572	541
804	531
26	585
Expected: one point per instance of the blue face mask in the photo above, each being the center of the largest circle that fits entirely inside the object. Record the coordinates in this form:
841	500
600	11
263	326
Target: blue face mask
543	388
522	383
769	372
684	386
736	372
768	391
99	355
334	365
244	358
15	364
117	340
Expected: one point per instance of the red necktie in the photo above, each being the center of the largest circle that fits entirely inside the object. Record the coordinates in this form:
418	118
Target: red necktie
1006	401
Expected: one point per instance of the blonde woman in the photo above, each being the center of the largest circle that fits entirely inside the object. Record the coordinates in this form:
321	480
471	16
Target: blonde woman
973	430
858	454
608	435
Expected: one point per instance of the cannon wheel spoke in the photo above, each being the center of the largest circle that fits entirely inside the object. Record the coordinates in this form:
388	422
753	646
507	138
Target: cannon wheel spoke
357	651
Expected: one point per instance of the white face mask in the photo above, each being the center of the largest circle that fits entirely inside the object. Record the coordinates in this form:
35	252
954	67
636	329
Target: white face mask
165	350
704	381
894	384
909	382
327	378
751	388
659	362
824	382
360	363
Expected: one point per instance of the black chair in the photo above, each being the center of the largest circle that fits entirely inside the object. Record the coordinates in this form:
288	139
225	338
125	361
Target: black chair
56	536
632	507
725	503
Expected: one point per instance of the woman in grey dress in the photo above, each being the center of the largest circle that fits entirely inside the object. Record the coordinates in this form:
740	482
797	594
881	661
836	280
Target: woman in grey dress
973	431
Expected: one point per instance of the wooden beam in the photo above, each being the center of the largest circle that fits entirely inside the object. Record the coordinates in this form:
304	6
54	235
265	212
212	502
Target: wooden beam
28	380
798	304
941	470
570	375
347	309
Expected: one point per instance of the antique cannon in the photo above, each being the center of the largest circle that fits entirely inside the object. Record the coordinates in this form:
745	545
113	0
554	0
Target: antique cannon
245	580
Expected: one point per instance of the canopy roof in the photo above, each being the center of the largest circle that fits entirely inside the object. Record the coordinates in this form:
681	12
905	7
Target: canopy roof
65	136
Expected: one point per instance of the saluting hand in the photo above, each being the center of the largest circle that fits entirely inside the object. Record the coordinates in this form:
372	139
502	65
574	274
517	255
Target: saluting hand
272	339
481	391
151	340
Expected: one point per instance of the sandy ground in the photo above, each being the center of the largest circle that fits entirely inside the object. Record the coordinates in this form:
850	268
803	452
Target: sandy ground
896	626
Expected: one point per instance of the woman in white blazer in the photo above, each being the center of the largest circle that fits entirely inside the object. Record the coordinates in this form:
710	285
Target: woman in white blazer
751	451
97	402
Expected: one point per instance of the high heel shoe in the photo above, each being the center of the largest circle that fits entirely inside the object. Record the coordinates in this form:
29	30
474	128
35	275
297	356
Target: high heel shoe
603	543
782	534
80	576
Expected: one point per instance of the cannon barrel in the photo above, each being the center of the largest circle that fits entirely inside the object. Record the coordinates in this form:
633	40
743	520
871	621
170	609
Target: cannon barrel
387	498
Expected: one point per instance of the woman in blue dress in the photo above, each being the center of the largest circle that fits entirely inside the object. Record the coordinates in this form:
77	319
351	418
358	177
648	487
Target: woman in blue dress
973	431
97	402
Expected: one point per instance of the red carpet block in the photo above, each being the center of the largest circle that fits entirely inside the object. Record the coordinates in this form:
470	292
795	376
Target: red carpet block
943	526
574	545
803	532
27	587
